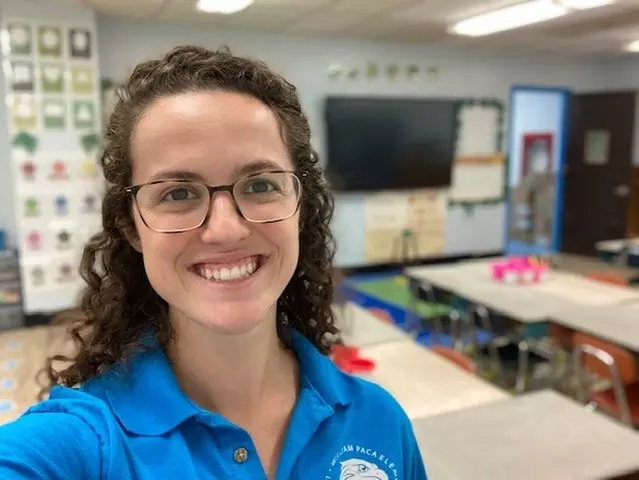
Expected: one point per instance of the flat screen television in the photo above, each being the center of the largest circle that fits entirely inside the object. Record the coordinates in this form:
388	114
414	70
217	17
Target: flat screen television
386	144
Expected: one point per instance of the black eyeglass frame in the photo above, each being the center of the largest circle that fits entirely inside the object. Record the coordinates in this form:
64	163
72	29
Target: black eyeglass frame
134	189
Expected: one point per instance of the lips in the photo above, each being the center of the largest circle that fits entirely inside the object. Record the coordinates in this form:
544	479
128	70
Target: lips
228	271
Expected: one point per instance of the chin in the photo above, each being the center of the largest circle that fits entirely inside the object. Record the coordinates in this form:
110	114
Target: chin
230	318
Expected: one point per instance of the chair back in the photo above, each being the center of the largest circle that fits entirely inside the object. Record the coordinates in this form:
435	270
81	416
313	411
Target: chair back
610	278
458	358
560	336
603	358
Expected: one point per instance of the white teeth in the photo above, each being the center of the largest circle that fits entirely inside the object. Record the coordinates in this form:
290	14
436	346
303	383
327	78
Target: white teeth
226	274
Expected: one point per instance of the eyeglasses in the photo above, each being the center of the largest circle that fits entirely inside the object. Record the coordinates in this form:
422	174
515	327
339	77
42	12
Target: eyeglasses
172	206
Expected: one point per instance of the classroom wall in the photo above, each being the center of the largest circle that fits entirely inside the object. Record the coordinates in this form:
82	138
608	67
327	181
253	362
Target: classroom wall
305	61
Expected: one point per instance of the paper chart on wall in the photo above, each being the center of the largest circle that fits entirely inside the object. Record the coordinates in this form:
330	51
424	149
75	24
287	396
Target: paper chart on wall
478	181
478	136
405	223
478	130
54	117
387	211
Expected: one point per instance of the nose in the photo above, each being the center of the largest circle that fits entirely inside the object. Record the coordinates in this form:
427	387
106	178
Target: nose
224	223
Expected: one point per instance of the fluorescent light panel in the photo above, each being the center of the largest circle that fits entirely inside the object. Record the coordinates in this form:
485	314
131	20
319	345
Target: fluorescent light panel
509	18
222	6
586	4
633	46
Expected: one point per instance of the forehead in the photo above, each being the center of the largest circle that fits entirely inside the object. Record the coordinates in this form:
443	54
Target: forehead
212	134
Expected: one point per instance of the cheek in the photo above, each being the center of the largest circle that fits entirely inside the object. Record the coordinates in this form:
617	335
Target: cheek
285	237
160	250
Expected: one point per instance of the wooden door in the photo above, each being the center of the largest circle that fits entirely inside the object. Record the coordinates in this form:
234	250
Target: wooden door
597	173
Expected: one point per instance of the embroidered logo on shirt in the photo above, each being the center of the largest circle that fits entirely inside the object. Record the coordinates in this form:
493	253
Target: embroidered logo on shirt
356	462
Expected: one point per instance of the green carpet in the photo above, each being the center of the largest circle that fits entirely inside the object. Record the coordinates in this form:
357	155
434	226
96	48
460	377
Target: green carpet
395	290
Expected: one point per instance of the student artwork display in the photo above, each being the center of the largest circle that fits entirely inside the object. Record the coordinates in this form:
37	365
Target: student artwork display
405	225
390	71
53	101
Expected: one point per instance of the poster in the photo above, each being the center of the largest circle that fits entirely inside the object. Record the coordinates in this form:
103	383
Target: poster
405	225
51	75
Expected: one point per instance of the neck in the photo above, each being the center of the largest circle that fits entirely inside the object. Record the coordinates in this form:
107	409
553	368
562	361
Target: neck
239	376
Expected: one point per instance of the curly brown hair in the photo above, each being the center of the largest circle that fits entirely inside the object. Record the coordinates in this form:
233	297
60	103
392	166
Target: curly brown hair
119	306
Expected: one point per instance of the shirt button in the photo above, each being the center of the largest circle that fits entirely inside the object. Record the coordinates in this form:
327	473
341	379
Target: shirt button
240	455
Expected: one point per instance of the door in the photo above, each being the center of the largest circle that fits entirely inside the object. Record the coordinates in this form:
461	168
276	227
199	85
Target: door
597	173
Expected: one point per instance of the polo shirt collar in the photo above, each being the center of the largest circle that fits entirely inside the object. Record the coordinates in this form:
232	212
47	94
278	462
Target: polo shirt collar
147	399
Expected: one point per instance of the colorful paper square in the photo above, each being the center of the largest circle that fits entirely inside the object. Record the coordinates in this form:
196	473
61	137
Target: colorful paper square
24	113
50	41
21	76
82	79
20	39
80	43
83	114
52	78
54	114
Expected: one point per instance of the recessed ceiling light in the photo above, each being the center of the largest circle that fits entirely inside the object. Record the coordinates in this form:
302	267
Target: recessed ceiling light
222	6
585	4
509	18
633	46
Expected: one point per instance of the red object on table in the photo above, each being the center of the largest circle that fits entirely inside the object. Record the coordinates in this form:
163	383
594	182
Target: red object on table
347	359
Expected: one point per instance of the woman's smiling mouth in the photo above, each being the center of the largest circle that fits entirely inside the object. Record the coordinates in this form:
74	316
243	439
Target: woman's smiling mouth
229	271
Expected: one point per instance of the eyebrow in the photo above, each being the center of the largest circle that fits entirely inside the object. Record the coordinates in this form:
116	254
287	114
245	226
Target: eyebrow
257	166
253	167
176	175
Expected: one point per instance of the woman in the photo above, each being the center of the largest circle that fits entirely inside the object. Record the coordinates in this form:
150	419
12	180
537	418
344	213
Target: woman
205	322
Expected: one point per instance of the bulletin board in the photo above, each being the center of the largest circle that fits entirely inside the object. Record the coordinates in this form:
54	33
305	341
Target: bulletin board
52	79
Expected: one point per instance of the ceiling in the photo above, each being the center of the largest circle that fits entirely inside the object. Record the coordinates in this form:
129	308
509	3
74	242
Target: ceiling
602	30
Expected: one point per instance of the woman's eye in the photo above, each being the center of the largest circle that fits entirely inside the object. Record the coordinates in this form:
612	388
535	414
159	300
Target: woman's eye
260	186
179	195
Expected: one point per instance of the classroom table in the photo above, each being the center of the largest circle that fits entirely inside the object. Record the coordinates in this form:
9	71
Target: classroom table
360	328
528	303
424	383
624	251
541	435
525	304
618	324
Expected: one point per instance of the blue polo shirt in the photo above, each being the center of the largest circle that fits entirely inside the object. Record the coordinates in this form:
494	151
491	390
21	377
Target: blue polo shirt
137	424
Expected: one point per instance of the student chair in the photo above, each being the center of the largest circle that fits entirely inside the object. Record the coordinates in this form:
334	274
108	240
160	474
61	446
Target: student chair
441	324
609	278
612	362
561	341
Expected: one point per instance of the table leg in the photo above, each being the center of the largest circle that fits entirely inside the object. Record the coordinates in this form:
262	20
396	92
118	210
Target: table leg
522	366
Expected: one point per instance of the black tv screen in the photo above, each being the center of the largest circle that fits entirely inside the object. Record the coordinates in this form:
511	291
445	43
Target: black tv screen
385	144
